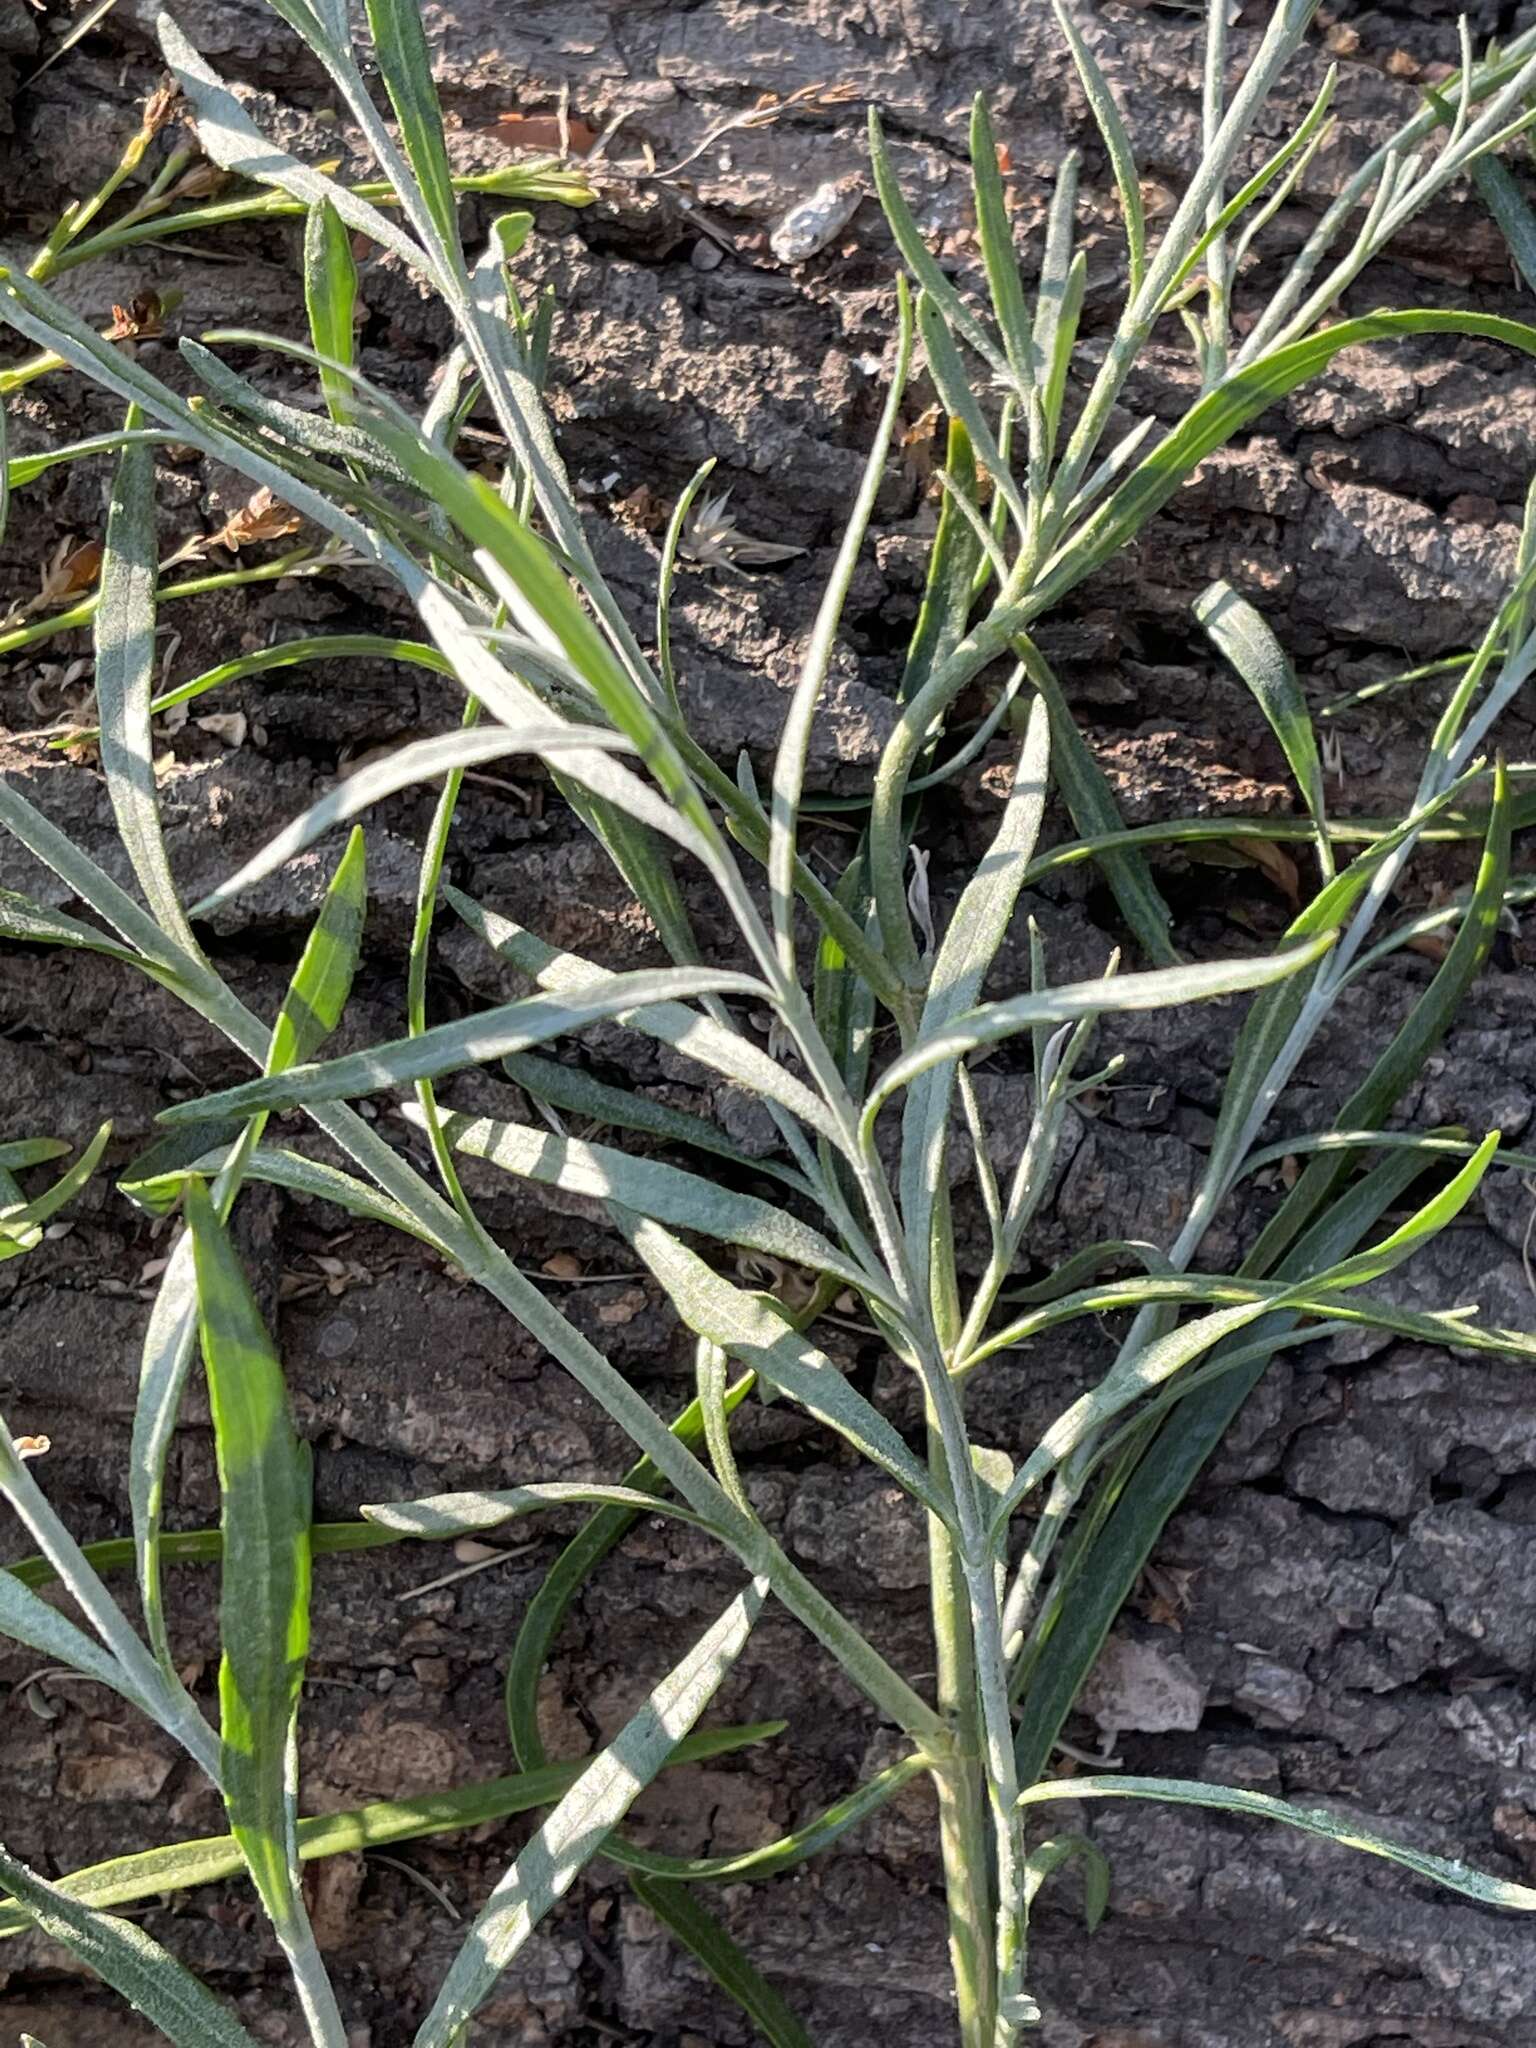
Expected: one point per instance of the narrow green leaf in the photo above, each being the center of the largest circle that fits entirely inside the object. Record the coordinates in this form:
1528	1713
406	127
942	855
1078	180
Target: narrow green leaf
1054	315
678	1910
1136	1500
575	1090
795	737
668	1193
961	403
1088	796
1239	632
32	1622
998	253
1215	418
330	300
183	1866
406	63
20	1221
976	931
233	141
1045	1858
20	1153
1415	1039
148	1976
915	254
322	981
1501	194
1157	989
747	1328
1311	1820
599	1534
125	670
952	567
1117	142
673	1023
417	761
514	1027
438	1516
264	1489
574	1832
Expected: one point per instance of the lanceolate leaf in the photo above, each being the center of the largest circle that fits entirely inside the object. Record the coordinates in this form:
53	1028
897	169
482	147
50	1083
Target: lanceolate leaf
1223	412
330	299
322	981
700	1038
748	1329
20	1222
1155	990
685	1200
442	1515
1241	634
401	48
418	761
264	1488
1332	1827
148	1976
976	931
574	1832
1415	1039
183	1866
469	1043
1086	792
125	670
1143	1494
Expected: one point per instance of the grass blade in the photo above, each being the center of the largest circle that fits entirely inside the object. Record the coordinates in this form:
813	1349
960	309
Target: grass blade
1157	989
1141	1497
915	254
977	929
438	1516
679	1911
330	300
1501	194
417	761
574	1832
747	1328
673	1023
514	1027
1415	1039
21	1220
1122	158
1331	1827
235	143
572	1089
264	1488
1241	634
122	1955
406	63
997	249
684	1200
1088	796
125	669
182	1866
1214	419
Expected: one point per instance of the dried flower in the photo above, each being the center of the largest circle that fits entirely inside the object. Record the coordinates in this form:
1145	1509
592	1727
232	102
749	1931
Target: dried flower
263	516
712	541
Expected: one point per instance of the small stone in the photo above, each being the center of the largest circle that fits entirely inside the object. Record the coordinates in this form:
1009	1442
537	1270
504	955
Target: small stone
1141	1684
816	221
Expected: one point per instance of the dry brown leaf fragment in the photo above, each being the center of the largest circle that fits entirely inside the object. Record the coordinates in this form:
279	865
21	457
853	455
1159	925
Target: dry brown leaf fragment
67	572
263	516
714	542
140	320
160	107
201	182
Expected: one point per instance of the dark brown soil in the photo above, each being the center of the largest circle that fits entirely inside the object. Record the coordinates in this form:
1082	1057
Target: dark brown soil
1347	1609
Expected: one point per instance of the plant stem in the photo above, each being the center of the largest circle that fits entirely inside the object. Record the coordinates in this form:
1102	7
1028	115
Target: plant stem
963	1839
